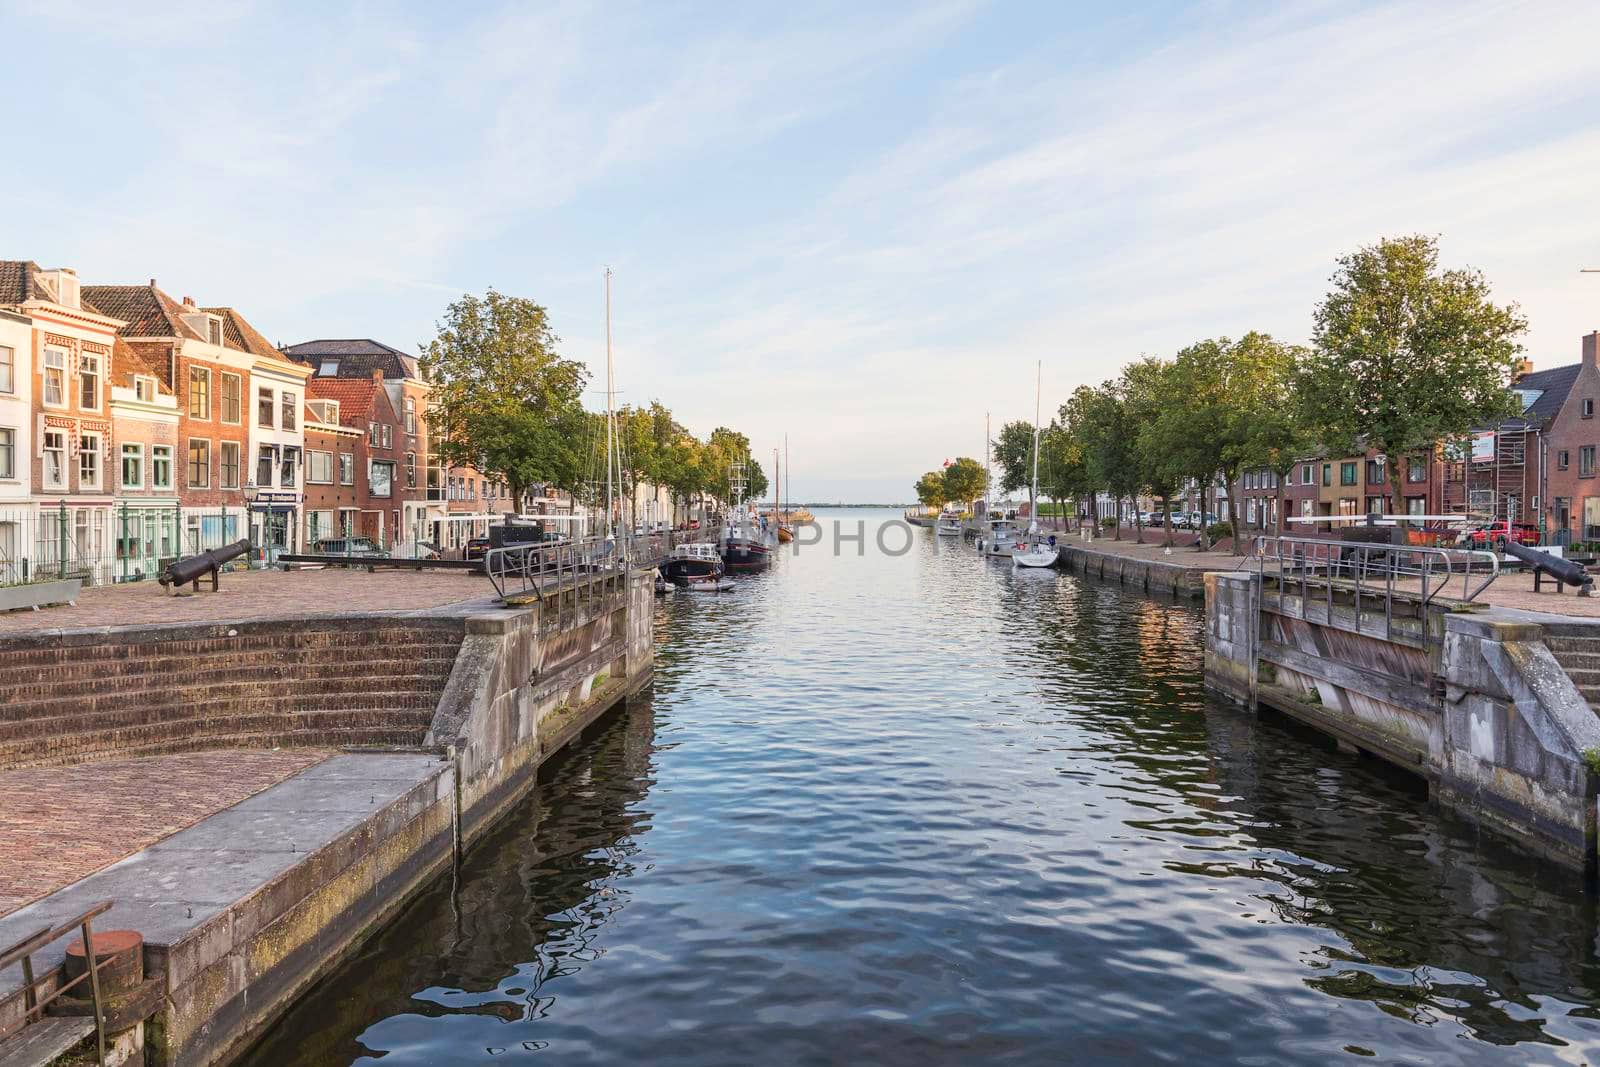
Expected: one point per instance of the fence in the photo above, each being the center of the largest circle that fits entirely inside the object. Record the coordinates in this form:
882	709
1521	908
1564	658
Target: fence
107	543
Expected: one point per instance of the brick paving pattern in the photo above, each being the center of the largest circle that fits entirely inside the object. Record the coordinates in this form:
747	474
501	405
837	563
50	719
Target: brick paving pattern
60	824
247	595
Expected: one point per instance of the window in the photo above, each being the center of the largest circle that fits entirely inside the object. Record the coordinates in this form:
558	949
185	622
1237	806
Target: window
411	470
347	468
88	461
1416	470
1347	473
1563	460
1376	474
264	407
472	488
1415	505
286	409
161	467
1327	474
199	463
1306	473
55	377
199	393
1250	511
144	388
1588	407
8	369
228	462
265	461
1586	461
388	436
214	330
8	452
89	382
372	434
132	466
380	478
329	368
232	397
286	469
411	415
55	459
319	467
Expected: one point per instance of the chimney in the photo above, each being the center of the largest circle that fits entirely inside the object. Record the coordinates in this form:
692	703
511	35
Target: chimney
153	283
188	301
1523	368
1591	349
377	375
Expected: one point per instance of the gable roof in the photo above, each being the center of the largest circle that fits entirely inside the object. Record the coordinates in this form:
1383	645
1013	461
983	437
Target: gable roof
357	397
238	333
147	311
1554	385
358	357
20	282
126	362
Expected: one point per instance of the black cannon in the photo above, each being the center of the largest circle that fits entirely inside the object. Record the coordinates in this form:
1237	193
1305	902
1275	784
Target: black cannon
196	567
1564	571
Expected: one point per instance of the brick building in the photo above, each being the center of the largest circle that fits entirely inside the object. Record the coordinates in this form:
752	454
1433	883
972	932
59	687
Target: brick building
69	367
1570	470
332	495
363	405
147	521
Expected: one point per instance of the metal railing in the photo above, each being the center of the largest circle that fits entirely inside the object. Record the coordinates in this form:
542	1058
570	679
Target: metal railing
34	1004
567	574
1372	572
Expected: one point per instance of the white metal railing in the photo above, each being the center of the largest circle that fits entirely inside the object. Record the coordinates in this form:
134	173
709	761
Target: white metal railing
1372	571
553	569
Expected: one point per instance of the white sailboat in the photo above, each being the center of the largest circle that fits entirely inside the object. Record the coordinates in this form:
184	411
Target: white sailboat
1033	550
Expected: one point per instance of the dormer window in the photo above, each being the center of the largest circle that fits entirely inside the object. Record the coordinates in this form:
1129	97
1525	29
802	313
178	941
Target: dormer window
329	368
214	330
144	389
65	285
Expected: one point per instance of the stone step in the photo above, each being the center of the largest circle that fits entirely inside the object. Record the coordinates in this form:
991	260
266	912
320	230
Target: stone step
1578	660
36	655
310	727
215	702
62	684
1561	644
336	737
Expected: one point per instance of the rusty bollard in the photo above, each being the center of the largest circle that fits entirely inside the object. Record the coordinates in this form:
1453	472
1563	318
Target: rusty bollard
126	998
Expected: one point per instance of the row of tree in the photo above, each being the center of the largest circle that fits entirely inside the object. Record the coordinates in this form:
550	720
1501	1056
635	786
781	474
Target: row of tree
1404	356
504	401
958	482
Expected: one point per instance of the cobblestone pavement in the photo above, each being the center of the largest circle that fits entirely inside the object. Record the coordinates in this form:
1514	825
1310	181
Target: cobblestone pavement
59	824
256	594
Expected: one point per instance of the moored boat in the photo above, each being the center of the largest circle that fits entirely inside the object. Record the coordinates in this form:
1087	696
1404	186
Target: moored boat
999	539
1033	549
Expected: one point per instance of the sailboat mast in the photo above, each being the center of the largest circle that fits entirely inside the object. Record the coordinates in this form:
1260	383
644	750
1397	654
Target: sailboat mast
986	476
611	417
1033	496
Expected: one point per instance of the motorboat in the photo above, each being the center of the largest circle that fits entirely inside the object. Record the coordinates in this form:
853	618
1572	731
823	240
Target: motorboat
1000	539
949	525
696	568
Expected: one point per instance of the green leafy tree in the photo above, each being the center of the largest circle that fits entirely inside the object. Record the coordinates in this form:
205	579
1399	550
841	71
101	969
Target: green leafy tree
1406	355
1063	476
1106	433
964	480
1012	454
930	489
502	399
1146	391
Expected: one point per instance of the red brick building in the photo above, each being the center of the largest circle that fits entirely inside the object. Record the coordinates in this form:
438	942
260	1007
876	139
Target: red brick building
1571	436
332	489
377	453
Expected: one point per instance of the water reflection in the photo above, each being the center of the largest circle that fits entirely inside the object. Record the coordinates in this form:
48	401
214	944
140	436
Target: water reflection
921	809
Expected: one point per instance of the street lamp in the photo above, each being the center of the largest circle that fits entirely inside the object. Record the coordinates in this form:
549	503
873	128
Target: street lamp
251	493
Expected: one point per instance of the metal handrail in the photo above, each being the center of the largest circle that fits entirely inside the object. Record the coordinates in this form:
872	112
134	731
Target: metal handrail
34	1005
1370	569
557	569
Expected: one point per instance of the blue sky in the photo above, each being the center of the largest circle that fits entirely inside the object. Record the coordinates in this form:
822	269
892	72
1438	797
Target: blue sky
857	224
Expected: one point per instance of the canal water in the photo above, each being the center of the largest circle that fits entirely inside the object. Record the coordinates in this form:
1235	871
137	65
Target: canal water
911	808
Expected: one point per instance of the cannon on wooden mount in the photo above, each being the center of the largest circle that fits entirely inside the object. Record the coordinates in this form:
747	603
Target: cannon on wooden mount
1564	571
193	568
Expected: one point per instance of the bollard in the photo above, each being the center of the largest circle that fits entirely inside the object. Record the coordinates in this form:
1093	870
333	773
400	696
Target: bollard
127	999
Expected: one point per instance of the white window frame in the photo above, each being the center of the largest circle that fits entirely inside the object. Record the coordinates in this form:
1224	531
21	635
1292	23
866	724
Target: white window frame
312	466
60	372
158	453
8	453
86	360
287	411
135	451
238	465
59	482
188	401
264	392
222	410
8	369
144	388
347	468
372	485
99	459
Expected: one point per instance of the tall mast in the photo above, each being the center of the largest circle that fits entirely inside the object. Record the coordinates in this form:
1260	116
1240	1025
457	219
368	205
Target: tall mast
611	415
1033	496
986	461
786	466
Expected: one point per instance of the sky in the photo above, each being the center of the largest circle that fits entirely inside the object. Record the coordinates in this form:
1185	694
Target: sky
857	225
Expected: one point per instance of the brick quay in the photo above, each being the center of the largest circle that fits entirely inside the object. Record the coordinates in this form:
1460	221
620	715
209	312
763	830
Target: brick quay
257	779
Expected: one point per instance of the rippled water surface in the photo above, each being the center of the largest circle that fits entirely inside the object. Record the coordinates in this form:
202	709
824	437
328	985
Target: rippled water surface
915	809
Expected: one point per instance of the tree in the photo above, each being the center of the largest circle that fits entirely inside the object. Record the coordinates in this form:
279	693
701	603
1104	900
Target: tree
756	480
1406	355
1107	437
930	489
502	400
1062	473
1146	391
1013	455
964	480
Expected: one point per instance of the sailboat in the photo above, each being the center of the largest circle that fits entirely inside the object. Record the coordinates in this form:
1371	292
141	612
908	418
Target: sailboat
1033	550
785	535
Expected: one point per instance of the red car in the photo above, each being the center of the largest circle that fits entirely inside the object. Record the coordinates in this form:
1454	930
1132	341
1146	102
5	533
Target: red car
1500	533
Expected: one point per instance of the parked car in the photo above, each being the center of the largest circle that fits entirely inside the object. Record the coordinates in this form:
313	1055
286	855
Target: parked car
348	546
475	548
1497	535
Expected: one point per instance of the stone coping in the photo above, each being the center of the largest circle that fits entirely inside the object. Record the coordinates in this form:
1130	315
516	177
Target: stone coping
177	886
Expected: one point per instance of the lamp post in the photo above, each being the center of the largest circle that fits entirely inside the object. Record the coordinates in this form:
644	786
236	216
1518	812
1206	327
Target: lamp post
251	493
